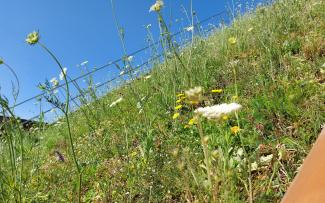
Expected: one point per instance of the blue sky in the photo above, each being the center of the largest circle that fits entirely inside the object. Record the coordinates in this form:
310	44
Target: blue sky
79	30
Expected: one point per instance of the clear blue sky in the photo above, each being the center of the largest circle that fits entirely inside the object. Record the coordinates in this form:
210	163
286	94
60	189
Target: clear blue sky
79	30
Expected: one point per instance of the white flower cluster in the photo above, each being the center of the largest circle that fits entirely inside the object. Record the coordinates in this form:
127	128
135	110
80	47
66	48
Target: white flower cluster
194	94
54	82
217	111
157	6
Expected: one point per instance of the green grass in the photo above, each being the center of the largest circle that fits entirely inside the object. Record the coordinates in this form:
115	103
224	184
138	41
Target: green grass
275	72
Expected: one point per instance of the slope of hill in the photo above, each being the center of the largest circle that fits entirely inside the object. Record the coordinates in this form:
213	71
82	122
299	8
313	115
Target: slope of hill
144	142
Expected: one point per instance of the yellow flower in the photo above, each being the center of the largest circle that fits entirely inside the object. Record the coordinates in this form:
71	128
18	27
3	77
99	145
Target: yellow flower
234	97
176	115
180	95
232	40
217	91
178	107
186	126
32	38
234	129
178	100
225	117
192	121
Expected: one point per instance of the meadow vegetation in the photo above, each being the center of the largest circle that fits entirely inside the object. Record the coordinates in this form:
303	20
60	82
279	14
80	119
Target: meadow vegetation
154	139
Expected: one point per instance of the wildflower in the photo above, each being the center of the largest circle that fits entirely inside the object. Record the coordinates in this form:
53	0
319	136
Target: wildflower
217	111
189	29
254	166
148	26
250	29
32	38
178	100
234	97
54	82
192	121
225	117
194	95
63	73
266	159
84	63
240	152
178	107
234	129
116	102
147	77
122	72
217	91
176	115
232	40
157	6
130	58
186	126
180	95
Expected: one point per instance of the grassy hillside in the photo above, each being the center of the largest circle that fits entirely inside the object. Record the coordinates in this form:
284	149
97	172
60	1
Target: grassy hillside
147	148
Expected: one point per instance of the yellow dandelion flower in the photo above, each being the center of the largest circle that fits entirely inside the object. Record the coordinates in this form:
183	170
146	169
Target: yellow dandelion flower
178	107
180	95
192	121
178	100
234	129
183	97
186	126
217	91
232	40
176	115
225	117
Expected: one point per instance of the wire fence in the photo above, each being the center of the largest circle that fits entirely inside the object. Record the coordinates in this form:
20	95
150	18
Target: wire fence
201	29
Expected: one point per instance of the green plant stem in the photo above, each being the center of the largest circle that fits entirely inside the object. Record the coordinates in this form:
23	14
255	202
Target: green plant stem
205	152
66	114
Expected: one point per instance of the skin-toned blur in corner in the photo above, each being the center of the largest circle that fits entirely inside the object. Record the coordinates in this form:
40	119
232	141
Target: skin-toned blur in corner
309	184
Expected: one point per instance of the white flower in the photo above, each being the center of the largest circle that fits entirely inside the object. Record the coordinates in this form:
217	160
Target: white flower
122	72
148	26
217	111
266	159
157	6
84	63
254	166
240	152
147	77
130	58
64	73
194	95
189	29
54	82
116	102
